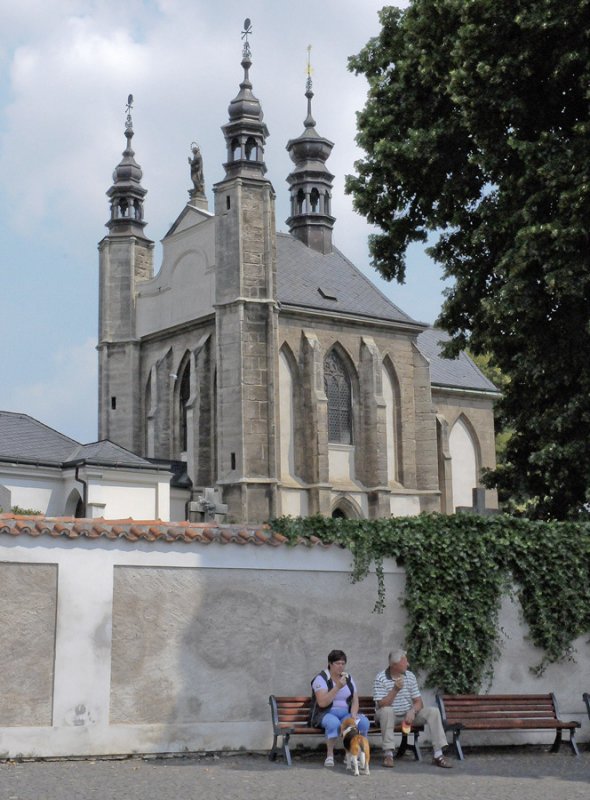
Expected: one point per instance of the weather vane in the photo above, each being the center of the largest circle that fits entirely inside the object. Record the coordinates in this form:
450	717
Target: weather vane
128	107
309	69
245	33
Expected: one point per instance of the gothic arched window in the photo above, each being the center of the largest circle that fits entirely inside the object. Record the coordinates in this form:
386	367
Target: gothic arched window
339	393
184	395
464	459
393	438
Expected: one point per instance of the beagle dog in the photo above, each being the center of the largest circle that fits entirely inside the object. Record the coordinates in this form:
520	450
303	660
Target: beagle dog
356	747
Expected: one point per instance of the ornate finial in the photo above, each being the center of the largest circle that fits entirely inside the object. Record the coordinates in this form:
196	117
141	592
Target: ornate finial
247	52
309	121
128	107
308	69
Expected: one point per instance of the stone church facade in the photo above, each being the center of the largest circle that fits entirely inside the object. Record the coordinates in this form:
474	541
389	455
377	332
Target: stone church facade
267	362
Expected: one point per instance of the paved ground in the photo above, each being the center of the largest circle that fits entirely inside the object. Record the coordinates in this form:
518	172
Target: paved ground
490	774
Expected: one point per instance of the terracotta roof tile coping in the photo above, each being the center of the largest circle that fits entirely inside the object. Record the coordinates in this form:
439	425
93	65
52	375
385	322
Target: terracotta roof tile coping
154	530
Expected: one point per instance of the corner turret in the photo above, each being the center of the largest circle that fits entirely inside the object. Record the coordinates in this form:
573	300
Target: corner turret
125	261
246	314
127	194
311	184
245	133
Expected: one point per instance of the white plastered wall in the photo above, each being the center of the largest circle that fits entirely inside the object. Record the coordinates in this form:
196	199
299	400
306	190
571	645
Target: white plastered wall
155	659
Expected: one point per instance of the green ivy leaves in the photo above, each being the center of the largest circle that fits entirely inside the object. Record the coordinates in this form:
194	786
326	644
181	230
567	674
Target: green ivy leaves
457	569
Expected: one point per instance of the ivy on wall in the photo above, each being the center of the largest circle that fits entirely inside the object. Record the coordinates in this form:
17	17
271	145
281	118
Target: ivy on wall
457	569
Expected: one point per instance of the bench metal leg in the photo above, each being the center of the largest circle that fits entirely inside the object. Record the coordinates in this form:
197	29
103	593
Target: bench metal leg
557	743
403	746
282	748
272	756
572	742
286	751
457	745
416	748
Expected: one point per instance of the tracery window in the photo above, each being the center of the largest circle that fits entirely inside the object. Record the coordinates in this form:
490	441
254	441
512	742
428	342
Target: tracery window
339	393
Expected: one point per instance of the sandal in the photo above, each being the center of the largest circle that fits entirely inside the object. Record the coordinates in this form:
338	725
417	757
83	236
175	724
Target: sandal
329	762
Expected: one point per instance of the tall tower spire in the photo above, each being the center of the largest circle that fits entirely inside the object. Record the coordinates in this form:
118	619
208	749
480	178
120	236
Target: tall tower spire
125	260
246	314
127	194
245	133
310	182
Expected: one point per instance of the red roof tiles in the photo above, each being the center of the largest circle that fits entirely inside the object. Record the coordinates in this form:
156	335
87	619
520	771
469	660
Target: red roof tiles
143	530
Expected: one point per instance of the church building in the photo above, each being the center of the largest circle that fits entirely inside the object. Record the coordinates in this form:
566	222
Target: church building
266	361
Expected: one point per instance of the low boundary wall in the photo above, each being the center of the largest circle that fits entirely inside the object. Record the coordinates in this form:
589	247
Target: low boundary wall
117	647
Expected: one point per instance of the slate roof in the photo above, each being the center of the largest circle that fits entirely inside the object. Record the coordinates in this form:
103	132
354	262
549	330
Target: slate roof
309	279
146	531
26	440
23	438
107	453
459	373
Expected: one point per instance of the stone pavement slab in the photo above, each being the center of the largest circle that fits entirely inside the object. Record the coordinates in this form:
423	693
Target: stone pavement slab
486	774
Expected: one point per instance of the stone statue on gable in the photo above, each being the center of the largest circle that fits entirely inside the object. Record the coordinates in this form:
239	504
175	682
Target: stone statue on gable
197	174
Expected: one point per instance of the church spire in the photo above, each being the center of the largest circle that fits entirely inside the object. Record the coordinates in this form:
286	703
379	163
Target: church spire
310	182
245	133
127	194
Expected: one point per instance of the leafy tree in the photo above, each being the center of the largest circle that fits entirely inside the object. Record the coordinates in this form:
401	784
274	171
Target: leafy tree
501	381
477	127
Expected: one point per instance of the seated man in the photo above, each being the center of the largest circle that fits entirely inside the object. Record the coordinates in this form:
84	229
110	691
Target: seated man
397	698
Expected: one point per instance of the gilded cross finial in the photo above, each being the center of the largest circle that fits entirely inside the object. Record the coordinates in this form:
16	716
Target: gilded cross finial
308	69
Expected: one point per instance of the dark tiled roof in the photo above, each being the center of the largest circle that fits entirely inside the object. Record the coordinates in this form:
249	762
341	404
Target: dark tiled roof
145	531
180	478
310	279
107	453
23	438
458	373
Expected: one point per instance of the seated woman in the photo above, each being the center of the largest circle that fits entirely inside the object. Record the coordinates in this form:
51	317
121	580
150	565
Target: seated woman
336	698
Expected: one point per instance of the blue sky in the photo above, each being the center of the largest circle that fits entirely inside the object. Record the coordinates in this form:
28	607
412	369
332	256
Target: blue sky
66	69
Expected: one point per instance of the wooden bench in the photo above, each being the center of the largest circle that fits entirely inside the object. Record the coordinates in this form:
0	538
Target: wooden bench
290	717
503	712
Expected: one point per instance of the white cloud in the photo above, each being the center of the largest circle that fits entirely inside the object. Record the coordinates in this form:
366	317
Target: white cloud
70	65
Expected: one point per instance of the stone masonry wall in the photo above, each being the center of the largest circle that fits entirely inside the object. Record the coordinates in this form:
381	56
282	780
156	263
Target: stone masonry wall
418	428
